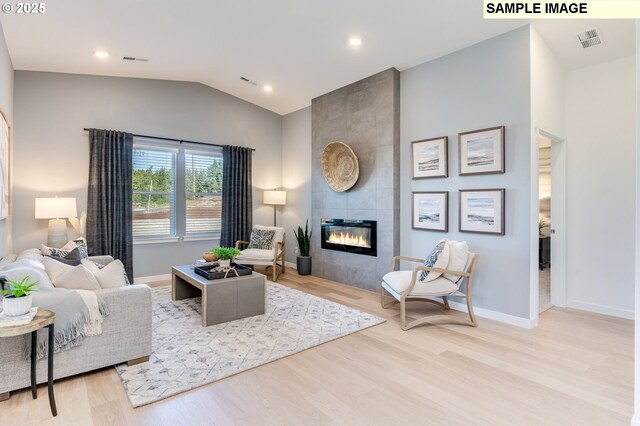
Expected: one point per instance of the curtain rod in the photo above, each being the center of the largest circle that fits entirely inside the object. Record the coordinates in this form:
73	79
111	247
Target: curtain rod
173	140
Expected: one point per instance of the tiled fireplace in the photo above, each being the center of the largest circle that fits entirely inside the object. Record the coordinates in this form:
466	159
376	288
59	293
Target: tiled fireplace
351	236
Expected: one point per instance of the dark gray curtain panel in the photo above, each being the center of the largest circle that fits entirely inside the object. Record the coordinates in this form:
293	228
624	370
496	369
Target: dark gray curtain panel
109	209
237	212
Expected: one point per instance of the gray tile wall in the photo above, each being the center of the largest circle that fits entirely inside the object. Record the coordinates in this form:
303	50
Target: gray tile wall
366	116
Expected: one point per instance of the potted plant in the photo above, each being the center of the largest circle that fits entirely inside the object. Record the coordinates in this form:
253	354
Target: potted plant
17	296
303	261
226	255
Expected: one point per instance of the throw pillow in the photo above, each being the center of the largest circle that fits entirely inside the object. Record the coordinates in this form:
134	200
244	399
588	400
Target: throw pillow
73	257
49	251
77	278
438	258
261	239
54	268
458	254
81	243
112	275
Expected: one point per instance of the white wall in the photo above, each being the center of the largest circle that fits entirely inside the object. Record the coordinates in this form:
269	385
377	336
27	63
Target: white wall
51	155
6	103
481	86
636	397
600	130
296	174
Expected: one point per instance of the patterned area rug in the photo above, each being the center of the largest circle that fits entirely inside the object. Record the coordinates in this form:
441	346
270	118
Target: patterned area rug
187	355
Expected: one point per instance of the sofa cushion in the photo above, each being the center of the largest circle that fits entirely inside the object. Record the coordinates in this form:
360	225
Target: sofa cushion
54	268
112	275
77	278
18	272
399	281
255	254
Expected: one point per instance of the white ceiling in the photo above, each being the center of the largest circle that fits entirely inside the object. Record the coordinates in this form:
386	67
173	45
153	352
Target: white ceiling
299	47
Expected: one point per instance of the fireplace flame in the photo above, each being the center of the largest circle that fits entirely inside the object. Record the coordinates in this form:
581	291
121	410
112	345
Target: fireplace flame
344	238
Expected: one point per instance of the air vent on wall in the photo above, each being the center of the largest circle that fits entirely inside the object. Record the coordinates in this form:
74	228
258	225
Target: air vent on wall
589	38
131	58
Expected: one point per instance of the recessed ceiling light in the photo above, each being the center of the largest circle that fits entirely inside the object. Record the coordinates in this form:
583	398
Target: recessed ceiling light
355	41
267	88
101	54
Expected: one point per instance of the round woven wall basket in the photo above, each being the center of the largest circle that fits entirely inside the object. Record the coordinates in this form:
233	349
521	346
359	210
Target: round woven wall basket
340	166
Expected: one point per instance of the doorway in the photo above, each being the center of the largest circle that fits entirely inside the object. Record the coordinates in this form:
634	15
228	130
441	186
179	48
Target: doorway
548	224
545	224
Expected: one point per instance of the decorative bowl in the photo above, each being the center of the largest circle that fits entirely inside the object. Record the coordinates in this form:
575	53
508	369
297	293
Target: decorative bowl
209	257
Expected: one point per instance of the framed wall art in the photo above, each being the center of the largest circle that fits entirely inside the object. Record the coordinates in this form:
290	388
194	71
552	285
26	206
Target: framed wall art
481	151
481	211
431	211
430	158
5	163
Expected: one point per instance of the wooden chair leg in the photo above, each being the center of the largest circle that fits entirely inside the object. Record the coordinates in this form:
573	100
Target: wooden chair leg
471	314
403	319
445	301
282	260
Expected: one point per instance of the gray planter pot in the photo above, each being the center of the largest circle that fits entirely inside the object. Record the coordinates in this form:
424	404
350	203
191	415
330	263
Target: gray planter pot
304	265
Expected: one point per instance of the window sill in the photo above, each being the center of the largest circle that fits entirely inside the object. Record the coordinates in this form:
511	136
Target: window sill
201	238
156	241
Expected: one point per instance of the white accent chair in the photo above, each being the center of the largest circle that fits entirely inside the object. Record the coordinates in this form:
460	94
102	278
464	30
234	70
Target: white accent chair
405	286
268	258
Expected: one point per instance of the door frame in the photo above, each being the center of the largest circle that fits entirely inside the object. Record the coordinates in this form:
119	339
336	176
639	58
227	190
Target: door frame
559	214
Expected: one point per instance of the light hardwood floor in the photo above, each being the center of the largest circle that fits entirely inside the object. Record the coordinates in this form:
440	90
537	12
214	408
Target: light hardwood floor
575	369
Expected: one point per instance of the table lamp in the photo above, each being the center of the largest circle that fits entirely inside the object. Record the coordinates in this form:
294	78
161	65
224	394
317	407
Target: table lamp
275	198
57	210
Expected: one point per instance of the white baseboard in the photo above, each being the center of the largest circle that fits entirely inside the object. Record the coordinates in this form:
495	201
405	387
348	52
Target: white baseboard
601	309
290	265
635	420
496	316
151	278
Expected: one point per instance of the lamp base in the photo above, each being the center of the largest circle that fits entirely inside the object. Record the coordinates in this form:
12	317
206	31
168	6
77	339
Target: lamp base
57	233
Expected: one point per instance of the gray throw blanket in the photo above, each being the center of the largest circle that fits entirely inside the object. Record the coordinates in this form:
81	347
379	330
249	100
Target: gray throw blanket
72	316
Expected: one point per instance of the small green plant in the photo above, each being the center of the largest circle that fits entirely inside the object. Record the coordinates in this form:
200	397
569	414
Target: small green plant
304	239
19	288
225	253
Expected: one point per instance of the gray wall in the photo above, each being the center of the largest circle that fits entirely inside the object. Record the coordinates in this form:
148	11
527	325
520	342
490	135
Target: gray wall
364	115
6	103
485	85
52	152
296	175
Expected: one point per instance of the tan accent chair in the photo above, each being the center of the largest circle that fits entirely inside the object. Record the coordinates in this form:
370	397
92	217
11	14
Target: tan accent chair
405	286
268	258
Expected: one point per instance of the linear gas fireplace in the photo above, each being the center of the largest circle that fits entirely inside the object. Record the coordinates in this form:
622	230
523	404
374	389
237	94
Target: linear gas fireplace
352	236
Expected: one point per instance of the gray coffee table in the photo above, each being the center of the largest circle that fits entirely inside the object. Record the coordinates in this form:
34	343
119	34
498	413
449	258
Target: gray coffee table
222	300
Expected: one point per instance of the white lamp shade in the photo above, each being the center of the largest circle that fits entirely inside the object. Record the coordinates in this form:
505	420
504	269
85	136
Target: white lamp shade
56	208
275	198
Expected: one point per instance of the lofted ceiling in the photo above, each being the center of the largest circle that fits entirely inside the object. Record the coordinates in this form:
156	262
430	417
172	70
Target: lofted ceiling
298	47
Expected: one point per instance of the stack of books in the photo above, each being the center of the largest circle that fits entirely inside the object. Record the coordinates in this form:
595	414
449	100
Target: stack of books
7	321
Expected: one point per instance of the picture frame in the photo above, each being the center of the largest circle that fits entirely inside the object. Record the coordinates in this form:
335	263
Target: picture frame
430	211
430	158
481	151
5	164
481	211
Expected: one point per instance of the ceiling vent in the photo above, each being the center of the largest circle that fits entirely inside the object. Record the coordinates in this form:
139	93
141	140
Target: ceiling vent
589	38
131	58
246	80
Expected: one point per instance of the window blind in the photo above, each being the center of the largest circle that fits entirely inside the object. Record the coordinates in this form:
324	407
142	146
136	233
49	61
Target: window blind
203	191
154	205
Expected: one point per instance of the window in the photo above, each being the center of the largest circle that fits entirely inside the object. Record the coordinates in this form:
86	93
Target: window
177	192
154	176
203	187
